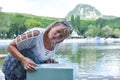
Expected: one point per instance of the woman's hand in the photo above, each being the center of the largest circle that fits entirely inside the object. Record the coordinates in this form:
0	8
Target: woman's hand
50	61
29	64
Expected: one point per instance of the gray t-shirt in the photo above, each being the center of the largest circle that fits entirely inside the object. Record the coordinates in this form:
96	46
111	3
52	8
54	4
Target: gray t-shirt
38	45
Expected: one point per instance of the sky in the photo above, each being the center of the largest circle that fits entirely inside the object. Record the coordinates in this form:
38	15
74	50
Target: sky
58	8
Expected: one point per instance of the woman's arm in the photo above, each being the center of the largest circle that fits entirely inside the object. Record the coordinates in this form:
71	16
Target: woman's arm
13	49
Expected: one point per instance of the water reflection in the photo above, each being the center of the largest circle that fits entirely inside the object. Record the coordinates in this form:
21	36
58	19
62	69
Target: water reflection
93	58
3	47
74	48
90	58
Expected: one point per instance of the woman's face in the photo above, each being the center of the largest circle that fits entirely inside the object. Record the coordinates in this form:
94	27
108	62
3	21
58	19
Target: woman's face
57	33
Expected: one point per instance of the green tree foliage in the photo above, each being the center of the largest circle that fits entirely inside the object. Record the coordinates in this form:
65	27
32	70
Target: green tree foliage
77	24
84	24
31	23
92	31
21	22
106	31
5	19
72	20
100	22
116	33
16	23
114	23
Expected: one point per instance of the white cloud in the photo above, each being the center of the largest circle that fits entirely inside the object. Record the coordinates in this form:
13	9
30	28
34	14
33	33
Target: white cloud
58	8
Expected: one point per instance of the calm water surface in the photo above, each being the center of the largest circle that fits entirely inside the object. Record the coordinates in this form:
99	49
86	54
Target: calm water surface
89	58
93	58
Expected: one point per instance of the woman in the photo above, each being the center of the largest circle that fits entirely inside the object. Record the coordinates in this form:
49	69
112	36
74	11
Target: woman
33	47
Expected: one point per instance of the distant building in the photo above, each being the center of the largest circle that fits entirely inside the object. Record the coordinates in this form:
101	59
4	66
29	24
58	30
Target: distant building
75	35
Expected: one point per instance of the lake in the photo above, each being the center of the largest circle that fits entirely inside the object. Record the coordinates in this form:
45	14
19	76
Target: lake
101	60
90	59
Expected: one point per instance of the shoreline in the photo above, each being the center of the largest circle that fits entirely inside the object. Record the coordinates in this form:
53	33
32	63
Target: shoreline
93	40
79	40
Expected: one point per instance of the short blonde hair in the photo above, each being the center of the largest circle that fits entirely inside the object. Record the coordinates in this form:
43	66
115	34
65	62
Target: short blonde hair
68	30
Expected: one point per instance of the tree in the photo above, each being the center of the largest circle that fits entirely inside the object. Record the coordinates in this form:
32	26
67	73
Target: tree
72	21
116	33
30	23
17	26
106	31
100	22
92	31
77	24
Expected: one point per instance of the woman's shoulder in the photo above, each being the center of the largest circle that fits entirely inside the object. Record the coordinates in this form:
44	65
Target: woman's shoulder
36	31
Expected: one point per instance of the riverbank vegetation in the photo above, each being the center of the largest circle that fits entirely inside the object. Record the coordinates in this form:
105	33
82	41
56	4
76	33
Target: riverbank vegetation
13	24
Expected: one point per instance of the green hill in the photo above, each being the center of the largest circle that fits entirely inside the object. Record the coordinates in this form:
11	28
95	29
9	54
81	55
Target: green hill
16	23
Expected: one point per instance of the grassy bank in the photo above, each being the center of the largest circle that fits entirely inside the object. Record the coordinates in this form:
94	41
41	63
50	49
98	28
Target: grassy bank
1	62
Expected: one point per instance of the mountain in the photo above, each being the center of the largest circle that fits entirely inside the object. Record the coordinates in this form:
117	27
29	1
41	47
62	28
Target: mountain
86	11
